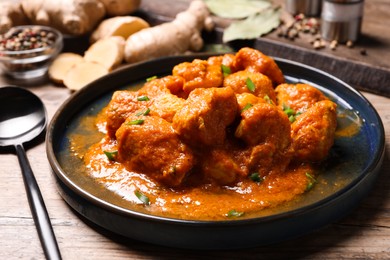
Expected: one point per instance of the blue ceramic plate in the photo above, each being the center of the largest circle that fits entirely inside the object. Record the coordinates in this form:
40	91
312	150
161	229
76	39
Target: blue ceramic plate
346	177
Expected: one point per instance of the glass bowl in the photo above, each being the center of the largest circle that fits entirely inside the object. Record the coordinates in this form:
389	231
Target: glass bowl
27	51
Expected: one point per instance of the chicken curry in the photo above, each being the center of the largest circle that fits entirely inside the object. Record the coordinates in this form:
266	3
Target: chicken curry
216	139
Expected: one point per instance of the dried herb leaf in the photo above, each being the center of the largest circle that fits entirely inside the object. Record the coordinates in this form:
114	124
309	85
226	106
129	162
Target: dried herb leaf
236	9
254	26
142	197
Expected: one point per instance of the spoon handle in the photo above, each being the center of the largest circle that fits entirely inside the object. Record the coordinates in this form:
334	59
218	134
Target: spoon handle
37	206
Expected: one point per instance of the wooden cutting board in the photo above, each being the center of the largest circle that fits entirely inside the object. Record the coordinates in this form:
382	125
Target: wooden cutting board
369	71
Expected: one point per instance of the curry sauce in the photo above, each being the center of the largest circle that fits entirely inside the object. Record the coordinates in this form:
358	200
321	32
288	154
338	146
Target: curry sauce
218	139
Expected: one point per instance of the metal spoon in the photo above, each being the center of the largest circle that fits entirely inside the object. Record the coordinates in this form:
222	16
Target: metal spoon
22	118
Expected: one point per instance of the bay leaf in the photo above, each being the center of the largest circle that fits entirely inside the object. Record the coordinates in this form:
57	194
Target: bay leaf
236	9
253	26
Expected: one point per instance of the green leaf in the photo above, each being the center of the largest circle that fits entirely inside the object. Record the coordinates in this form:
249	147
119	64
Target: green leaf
246	107
236	9
250	85
111	155
253	27
234	213
136	122
311	181
143	98
256	177
142	197
226	70
219	48
144	112
151	78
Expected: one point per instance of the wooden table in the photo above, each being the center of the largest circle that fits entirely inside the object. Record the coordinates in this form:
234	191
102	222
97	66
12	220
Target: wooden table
364	234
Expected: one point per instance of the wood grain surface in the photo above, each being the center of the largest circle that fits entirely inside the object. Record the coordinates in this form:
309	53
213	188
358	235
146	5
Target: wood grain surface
363	234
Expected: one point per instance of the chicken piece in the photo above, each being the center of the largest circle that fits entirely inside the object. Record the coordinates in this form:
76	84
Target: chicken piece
223	166
198	74
262	85
298	97
122	105
166	106
205	116
264	123
247	100
152	147
226	60
158	86
255	61
313	131
266	157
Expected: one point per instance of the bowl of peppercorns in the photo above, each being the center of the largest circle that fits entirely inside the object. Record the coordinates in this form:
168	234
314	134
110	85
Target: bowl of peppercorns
27	51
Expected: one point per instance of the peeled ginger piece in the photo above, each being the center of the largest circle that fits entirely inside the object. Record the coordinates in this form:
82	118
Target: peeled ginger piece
119	26
83	73
62	64
108	52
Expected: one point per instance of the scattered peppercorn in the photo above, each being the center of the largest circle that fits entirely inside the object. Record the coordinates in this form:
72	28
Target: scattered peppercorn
26	39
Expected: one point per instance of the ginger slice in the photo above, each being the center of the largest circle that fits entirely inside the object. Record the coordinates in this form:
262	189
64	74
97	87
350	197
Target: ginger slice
62	64
108	52
118	26
83	73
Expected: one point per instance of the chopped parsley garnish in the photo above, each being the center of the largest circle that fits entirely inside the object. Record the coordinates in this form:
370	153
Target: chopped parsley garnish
311	182
246	107
234	214
111	155
268	99
144	112
226	70
142	197
290	113
250	85
151	78
136	122
143	98
255	177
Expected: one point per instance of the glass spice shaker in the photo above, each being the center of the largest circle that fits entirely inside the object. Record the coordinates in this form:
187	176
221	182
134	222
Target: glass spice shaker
341	20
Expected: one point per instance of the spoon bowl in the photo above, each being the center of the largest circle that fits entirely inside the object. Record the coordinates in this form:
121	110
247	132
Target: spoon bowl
23	118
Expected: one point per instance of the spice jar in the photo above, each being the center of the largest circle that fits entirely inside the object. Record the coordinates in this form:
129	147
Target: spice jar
341	19
306	7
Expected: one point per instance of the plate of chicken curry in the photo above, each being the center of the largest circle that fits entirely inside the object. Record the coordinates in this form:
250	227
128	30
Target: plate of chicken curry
190	151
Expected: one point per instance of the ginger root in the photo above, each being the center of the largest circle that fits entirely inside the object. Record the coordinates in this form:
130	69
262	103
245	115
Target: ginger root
120	7
176	37
62	64
118	26
11	14
83	73
73	17
108	52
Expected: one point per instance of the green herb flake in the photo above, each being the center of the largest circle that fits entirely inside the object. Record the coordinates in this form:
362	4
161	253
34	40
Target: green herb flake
250	85
311	182
144	112
290	113
226	70
143	98
111	155
142	197
234	214
136	122
268	100
246	107
255	177
151	78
